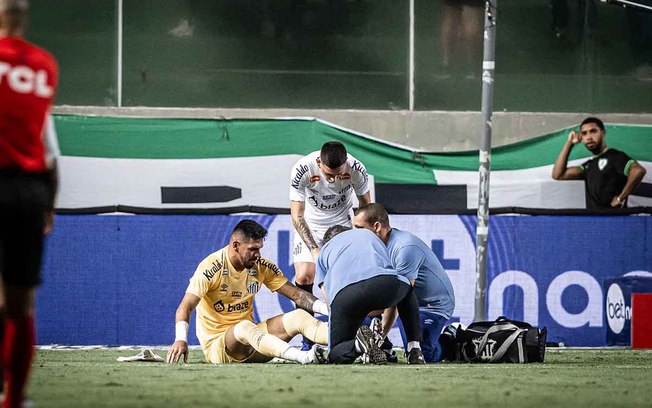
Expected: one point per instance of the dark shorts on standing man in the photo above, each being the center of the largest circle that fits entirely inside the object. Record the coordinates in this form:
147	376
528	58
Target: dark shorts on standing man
24	200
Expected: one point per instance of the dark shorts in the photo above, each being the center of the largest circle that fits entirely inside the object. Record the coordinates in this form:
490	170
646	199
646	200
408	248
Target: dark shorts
24	200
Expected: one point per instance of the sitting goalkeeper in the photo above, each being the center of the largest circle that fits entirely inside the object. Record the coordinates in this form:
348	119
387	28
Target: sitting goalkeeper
223	289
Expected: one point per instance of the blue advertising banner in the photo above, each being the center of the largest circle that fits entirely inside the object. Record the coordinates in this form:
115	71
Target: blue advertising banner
618	306
118	279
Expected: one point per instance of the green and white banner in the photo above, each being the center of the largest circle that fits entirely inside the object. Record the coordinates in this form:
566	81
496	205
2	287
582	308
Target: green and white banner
212	164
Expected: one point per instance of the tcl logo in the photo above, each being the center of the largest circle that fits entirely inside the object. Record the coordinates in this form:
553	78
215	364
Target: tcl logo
24	80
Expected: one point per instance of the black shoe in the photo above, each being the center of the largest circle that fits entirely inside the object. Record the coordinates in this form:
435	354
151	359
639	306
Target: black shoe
365	341
415	356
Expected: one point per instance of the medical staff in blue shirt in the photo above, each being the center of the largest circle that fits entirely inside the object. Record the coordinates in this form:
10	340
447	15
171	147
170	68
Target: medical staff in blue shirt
414	260
357	278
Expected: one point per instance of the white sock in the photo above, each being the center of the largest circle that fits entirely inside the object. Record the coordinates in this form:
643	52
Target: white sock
413	344
294	354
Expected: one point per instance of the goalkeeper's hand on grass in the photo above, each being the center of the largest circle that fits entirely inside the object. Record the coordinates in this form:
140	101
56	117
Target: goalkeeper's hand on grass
178	349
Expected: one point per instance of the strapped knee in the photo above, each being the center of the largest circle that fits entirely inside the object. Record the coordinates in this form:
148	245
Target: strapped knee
243	331
295	322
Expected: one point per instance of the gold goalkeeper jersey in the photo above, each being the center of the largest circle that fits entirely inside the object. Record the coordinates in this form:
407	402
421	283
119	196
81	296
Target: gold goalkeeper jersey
227	295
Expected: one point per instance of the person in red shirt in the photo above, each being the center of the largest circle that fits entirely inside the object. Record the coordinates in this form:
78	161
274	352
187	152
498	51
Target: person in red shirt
28	81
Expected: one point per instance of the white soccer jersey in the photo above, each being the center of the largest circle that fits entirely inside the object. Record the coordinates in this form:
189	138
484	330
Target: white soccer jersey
327	204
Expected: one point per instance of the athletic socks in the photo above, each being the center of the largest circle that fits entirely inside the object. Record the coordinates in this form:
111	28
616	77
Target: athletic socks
307	288
247	332
303	357
299	321
413	344
307	343
17	353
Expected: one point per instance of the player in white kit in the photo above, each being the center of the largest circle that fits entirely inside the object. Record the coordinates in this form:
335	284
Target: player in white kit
322	185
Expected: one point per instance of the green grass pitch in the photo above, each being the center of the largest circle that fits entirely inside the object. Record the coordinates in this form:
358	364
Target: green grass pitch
568	378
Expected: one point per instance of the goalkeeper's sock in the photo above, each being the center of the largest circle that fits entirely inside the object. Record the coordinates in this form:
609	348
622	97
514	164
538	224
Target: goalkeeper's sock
303	357
305	340
17	353
267	344
299	321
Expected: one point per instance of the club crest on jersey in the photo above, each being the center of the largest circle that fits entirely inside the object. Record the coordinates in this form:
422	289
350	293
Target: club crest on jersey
602	163
224	287
218	306
315	179
252	287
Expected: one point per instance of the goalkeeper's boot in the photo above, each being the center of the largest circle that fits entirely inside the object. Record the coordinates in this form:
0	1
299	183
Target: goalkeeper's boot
376	327
318	355
388	348
383	342
365	343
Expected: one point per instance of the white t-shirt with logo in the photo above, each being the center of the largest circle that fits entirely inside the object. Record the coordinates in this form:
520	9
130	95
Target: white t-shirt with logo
326	204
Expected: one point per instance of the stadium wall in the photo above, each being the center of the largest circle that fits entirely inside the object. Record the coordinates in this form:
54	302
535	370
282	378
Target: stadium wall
348	62
431	131
117	279
124	161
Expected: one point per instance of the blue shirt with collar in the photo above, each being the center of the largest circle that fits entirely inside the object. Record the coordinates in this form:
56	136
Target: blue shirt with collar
350	257
413	259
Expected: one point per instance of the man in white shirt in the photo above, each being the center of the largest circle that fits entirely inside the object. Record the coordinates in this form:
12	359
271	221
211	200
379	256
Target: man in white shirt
322	185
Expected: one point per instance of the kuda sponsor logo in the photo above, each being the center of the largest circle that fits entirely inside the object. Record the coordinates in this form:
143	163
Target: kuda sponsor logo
210	272
300	171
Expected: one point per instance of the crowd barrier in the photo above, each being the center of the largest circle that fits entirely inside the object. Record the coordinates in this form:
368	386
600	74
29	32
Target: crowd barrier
117	279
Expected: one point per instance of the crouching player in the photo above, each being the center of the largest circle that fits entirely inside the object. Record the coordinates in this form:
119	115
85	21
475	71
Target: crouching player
223	289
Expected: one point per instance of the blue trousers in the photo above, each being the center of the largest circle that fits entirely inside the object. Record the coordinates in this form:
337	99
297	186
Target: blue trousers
431	326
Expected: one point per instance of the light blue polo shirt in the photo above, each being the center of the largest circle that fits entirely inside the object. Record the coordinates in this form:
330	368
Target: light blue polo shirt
413	259
350	257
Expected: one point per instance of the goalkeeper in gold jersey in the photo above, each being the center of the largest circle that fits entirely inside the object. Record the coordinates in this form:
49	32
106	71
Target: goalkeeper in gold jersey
223	288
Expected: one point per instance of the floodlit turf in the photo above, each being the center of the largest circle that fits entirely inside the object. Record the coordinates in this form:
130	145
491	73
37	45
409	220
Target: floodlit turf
569	378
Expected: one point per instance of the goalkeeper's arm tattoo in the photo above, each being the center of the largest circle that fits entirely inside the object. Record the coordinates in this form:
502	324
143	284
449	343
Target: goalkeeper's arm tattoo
305	300
300	297
302	228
